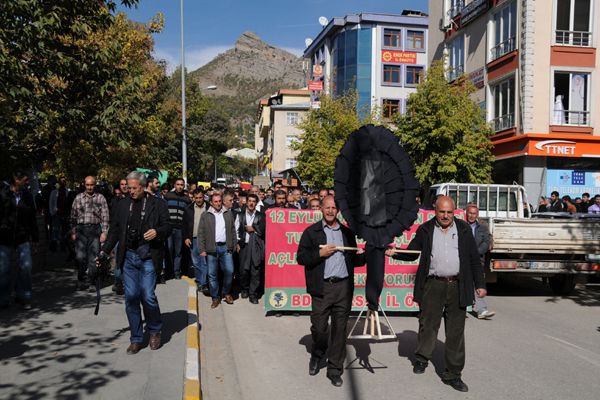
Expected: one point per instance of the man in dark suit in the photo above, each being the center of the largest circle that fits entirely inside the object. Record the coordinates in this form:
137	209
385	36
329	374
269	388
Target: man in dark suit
140	226
330	282
448	275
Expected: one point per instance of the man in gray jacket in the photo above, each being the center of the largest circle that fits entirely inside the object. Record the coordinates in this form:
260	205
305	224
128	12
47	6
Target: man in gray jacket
216	241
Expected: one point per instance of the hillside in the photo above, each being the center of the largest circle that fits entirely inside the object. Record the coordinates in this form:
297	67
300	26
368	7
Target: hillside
251	70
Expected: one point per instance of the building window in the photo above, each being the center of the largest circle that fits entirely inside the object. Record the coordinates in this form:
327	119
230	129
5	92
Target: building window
503	95
573	22
292	118
392	38
415	40
504	26
289	139
413	75
290	163
391	108
454	7
456	57
571	99
391	74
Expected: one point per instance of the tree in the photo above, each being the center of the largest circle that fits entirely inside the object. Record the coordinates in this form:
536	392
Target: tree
325	131
444	132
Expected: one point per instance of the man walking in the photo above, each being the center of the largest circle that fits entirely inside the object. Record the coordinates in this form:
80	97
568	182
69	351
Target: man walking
481	233
250	227
448	275
191	223
216	241
141	225
18	230
177	202
89	227
330	282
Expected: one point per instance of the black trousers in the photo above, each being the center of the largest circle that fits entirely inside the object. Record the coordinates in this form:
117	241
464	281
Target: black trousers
441	299
87	247
336	303
375	273
250	275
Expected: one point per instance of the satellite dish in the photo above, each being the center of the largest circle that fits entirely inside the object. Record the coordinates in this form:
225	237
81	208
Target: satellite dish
308	41
323	21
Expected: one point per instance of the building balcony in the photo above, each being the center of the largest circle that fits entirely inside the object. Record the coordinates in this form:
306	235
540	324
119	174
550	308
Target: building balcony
455	11
573	38
571	118
502	48
455	72
503	122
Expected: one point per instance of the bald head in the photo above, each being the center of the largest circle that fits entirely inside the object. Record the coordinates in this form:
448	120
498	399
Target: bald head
329	210
90	184
444	211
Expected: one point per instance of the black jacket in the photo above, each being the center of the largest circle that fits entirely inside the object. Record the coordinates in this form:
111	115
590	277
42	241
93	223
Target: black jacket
18	222
188	220
259	225
156	217
314	264
470	275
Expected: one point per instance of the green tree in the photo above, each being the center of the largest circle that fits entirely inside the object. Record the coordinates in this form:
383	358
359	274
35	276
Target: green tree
324	132
444	132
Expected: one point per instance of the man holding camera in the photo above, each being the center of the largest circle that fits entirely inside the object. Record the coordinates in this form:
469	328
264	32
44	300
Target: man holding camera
140	226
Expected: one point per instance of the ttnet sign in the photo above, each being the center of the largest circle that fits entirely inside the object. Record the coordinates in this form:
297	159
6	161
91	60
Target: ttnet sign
557	147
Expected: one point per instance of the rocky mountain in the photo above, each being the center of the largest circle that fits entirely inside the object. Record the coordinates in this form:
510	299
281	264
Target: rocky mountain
246	73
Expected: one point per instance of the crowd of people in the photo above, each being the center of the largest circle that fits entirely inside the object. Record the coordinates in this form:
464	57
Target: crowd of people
584	204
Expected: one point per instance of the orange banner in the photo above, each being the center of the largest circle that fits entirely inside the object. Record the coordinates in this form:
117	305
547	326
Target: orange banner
549	145
398	57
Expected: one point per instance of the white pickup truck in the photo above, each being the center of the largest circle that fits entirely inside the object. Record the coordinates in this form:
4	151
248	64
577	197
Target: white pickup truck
563	248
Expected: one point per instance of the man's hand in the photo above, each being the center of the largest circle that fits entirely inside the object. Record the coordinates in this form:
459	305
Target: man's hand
203	254
103	237
481	292
249	228
327	250
188	243
73	236
150	234
390	252
237	248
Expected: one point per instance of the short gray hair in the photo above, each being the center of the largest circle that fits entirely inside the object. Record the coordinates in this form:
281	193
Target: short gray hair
137	176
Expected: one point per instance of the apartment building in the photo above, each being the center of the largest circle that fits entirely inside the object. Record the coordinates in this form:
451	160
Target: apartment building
381	56
535	66
276	128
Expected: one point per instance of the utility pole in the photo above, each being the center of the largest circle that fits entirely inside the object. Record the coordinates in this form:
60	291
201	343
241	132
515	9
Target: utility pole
183	127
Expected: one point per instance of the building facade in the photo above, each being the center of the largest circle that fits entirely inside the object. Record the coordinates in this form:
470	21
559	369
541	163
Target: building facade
381	56
276	129
535	66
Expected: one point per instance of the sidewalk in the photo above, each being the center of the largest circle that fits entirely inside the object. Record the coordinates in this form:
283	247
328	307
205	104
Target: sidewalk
60	350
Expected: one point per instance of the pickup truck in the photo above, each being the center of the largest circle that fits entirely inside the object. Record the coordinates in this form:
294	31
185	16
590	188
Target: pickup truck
563	249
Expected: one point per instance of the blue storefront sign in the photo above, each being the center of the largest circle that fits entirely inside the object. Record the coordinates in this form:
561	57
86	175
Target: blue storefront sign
573	182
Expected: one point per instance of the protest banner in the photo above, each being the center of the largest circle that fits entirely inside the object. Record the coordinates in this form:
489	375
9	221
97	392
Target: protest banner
285	288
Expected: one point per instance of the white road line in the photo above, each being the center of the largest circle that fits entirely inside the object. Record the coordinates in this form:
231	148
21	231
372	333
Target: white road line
192	291
191	364
592	361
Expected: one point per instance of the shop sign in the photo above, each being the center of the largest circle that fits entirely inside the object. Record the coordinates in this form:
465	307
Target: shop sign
317	71
557	147
398	57
477	77
473	10
316	86
572	182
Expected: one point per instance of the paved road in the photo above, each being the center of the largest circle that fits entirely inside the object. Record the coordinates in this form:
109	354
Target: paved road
537	347
60	350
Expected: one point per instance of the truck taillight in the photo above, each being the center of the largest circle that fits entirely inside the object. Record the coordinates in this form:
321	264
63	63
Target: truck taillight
505	265
587	267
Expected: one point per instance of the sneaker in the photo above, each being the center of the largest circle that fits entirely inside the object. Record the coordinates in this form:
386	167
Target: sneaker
486	314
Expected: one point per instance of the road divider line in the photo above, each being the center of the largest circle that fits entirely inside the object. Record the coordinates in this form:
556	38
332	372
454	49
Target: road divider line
192	389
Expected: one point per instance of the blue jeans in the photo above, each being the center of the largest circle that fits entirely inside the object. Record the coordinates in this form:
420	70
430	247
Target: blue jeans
175	242
139	280
200	265
23	281
221	259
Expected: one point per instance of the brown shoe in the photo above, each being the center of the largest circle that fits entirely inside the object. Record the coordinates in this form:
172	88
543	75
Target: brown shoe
215	303
228	299
134	348
154	341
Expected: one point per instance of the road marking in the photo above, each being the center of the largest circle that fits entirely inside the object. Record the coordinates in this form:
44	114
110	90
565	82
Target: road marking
592	361
192	388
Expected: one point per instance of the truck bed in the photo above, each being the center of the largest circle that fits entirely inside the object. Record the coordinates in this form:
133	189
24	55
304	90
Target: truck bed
545	236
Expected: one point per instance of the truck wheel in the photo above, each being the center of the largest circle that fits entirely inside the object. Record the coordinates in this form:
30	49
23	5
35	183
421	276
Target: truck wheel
562	285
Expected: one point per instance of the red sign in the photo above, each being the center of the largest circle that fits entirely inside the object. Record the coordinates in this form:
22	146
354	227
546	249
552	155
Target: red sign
398	57
285	282
477	77
316	86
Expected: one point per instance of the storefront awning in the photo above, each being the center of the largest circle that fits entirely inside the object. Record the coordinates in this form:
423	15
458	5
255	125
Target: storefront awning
547	145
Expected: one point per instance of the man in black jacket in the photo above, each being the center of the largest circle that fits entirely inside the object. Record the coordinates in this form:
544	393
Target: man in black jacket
140	226
330	282
191	223
18	230
449	271
250	226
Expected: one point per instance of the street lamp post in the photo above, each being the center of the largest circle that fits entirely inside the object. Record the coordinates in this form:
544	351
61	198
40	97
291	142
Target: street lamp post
183	132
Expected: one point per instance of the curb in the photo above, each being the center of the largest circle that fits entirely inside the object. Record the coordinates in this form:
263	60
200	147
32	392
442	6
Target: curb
191	384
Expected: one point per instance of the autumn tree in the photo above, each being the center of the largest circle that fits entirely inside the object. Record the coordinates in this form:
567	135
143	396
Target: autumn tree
444	131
